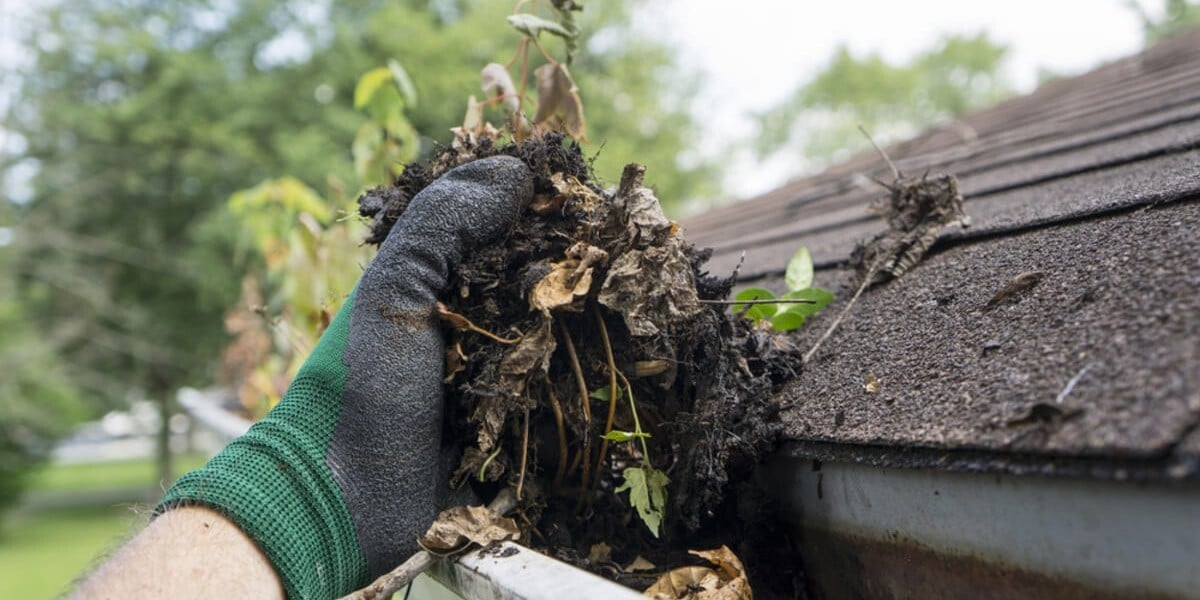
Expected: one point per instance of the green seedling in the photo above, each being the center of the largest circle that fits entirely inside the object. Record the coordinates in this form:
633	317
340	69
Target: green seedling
794	306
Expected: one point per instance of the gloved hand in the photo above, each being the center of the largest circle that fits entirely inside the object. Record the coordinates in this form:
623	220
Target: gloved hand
338	481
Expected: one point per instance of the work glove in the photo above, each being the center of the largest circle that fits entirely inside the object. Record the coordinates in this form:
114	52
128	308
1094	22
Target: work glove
337	482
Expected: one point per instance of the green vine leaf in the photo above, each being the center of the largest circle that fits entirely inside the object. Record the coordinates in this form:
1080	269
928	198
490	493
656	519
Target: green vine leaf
787	321
532	25
820	298
755	312
647	489
799	274
625	436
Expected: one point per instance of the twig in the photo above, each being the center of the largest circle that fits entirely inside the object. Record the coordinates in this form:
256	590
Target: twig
584	398
1071	384
562	430
842	315
391	582
763	301
462	322
895	171
613	390
524	454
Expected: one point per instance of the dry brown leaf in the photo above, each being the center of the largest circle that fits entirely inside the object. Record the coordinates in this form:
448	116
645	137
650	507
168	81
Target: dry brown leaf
457	527
727	582
531	353
568	281
640	564
599	552
873	384
570	187
559	96
563	287
456	361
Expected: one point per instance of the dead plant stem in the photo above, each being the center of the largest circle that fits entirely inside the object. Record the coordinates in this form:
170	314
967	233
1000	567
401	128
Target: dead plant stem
584	398
842	315
613	389
524	455
562	430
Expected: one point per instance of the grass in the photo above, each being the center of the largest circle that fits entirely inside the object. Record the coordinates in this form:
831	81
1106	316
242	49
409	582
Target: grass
41	552
101	476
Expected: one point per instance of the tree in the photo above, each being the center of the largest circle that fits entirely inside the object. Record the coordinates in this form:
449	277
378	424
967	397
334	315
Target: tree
140	118
1178	16
821	117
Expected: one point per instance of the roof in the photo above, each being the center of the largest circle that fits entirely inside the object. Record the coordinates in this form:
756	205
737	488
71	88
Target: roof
1090	182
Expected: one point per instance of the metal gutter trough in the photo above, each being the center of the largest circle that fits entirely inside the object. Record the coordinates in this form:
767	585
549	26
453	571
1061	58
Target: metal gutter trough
871	532
510	571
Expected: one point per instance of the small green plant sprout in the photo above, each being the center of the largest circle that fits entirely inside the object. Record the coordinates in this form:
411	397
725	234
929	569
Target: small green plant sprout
646	485
788	311
387	140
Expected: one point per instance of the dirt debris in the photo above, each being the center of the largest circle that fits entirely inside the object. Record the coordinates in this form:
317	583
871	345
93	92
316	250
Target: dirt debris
605	296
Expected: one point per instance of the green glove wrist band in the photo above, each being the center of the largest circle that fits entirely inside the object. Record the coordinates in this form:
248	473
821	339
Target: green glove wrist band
274	482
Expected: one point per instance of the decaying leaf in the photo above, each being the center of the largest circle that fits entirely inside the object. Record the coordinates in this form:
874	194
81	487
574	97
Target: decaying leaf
530	354
571	187
652	289
916	212
727	582
640	564
456	361
599	552
457	527
558	96
497	83
647	489
568	281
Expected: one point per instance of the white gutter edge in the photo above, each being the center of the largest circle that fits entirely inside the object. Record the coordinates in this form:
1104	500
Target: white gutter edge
511	572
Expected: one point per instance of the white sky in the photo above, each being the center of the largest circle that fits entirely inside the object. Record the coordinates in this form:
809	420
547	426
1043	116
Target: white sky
752	53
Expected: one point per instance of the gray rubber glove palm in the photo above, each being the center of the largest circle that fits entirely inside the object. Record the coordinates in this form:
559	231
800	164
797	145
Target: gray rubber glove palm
337	482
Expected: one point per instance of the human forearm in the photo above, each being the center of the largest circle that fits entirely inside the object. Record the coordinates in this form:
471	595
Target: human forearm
188	552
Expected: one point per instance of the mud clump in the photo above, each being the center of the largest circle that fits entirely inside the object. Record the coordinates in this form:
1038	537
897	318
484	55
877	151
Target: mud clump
591	318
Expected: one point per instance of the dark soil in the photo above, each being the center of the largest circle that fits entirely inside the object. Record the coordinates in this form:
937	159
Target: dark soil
703	379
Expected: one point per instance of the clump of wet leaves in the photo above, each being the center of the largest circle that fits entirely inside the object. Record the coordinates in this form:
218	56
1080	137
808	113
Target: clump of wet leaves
585	368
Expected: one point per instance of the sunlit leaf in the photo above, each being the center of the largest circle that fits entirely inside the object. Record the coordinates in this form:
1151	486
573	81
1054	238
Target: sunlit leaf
799	274
370	83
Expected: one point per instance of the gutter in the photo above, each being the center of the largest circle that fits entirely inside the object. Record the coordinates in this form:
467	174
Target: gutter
870	532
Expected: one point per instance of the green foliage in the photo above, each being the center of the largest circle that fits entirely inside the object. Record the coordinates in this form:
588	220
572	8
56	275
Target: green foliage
785	316
142	118
821	117
647	489
387	140
37	404
1178	16
625	436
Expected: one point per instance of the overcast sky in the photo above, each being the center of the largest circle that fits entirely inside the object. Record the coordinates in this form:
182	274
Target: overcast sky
752	53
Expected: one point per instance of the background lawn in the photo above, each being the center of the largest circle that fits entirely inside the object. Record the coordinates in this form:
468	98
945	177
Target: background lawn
71	515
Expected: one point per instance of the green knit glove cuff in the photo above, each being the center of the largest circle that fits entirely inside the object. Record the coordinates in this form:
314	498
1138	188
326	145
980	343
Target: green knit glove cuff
274	483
